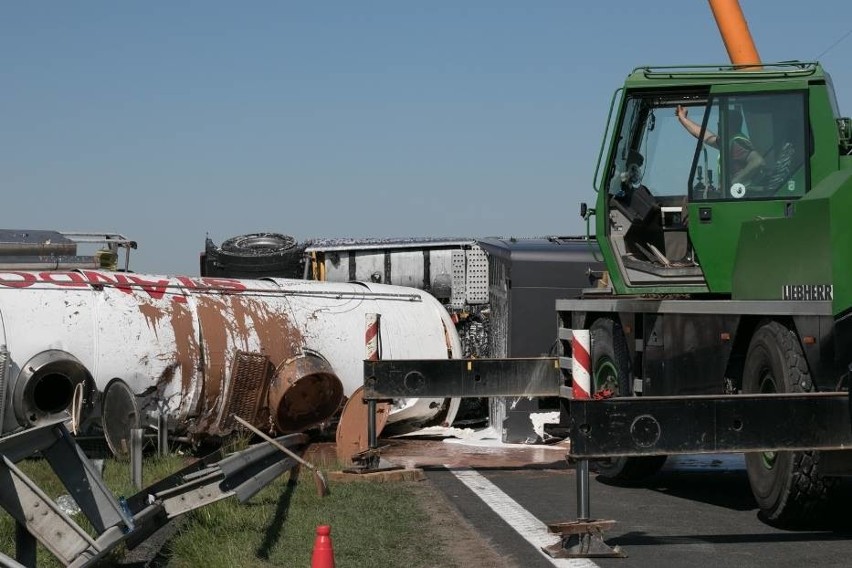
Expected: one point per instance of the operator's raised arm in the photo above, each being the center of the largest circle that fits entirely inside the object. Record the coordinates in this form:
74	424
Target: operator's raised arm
744	161
694	128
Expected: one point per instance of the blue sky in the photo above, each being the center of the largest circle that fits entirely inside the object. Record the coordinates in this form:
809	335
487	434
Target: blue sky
169	121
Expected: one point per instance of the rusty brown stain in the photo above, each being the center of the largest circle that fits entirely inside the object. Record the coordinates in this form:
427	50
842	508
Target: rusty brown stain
218	332
187	351
153	314
279	336
230	322
166	376
280	339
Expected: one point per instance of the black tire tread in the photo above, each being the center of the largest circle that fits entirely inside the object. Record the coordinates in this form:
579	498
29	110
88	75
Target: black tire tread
808	490
607	335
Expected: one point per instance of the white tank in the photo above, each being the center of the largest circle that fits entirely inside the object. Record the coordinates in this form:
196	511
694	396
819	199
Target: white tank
280	353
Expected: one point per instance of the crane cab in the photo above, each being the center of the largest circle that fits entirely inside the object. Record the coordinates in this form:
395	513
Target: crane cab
696	154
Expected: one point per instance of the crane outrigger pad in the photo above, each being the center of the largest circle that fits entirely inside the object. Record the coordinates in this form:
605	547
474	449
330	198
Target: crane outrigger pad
582	539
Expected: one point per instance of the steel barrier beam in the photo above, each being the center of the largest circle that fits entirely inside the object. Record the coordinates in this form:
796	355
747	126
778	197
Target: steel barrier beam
462	378
645	426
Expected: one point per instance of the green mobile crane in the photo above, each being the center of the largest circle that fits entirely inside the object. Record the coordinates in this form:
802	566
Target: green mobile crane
723	320
718	281
721	217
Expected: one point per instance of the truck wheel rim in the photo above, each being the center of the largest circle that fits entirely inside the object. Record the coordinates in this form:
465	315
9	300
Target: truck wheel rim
767	386
606	376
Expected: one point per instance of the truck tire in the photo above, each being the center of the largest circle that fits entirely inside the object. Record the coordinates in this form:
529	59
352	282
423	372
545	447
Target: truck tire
258	244
256	255
611	371
787	486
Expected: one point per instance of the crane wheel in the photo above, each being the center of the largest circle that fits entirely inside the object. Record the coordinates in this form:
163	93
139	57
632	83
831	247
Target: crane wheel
787	486
611	371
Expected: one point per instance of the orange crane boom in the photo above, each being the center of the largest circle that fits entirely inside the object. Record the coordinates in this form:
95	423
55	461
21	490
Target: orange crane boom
735	33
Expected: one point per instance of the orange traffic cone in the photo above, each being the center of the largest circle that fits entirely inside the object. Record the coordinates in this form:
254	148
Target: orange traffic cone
323	556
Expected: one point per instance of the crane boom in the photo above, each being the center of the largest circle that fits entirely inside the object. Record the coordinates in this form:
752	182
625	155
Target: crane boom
735	33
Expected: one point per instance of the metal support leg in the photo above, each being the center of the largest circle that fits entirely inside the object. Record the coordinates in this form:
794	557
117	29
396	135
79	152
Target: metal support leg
372	442
25	546
370	460
582	538
583	490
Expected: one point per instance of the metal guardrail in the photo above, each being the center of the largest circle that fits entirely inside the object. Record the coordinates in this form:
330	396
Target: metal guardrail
115	521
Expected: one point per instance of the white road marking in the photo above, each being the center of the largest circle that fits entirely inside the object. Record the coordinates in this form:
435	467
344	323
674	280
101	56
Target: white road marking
525	523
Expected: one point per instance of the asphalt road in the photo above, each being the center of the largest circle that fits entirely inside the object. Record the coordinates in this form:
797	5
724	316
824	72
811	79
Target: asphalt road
698	511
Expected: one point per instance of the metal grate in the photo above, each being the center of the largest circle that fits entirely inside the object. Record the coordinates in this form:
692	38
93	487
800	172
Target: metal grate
477	276
250	375
458	292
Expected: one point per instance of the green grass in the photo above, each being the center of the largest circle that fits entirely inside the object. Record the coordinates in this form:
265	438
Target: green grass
373	524
377	524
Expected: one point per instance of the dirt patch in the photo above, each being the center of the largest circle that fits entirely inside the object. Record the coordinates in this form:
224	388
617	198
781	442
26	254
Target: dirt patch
464	545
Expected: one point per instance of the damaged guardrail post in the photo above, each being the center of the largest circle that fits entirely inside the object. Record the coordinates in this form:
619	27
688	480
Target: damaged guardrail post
136	457
113	521
162	434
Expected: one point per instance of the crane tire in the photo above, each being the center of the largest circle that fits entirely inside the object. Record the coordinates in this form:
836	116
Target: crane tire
611	370
787	486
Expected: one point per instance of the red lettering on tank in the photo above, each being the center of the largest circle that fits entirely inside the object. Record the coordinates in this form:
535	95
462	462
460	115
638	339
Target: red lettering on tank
226	284
72	279
156	289
188	282
120	281
26	279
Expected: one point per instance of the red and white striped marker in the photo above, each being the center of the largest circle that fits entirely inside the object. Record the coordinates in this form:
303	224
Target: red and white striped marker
581	363
371	336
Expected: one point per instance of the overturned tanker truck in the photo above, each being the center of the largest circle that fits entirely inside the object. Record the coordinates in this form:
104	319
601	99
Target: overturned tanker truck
123	350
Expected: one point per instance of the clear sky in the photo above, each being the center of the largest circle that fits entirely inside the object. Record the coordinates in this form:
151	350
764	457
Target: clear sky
169	121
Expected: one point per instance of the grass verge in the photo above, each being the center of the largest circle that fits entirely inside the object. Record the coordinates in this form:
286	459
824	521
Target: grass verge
373	524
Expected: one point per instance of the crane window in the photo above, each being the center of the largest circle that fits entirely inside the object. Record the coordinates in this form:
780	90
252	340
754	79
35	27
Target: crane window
751	147
651	149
